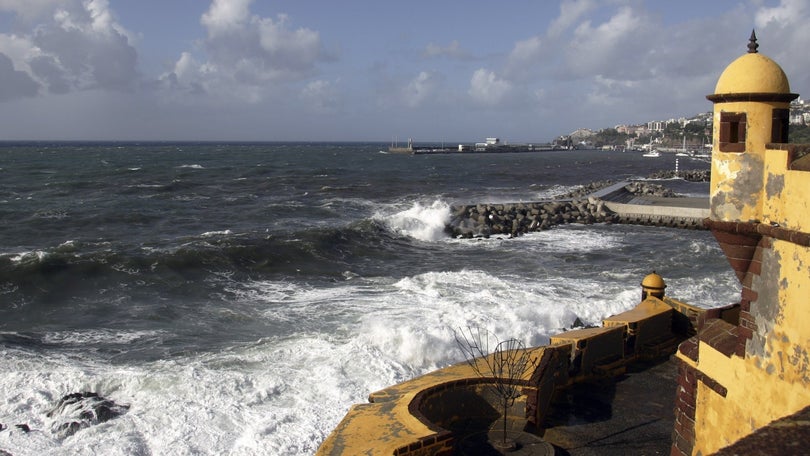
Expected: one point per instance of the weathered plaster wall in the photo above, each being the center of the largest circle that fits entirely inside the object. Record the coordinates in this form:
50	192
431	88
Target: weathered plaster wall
789	341
736	185
734	393
738	177
787	193
754	397
767	310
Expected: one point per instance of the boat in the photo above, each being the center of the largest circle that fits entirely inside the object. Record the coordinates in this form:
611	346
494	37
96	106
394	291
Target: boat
652	154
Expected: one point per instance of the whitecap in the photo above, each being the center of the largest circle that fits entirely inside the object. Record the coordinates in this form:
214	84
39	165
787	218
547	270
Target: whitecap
216	233
96	336
425	223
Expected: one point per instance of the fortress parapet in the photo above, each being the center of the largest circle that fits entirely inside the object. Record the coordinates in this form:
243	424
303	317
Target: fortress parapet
437	413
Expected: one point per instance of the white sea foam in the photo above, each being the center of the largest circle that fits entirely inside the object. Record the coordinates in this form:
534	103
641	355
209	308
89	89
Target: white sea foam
555	191
22	257
274	397
97	336
422	222
572	238
216	233
284	394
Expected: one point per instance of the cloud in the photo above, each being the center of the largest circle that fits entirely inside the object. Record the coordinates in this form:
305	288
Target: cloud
452	51
80	46
543	49
420	89
47	69
322	96
16	84
29	9
225	16
570	12
526	55
247	56
783	35
603	49
788	12
487	88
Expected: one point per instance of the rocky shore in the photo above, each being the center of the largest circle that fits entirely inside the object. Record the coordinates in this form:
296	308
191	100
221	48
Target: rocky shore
515	219
72	413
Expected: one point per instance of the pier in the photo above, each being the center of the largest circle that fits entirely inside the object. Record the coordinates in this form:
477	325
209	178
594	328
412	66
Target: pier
492	145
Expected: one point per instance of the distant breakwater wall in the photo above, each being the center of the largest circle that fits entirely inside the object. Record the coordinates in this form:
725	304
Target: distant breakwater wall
692	175
515	219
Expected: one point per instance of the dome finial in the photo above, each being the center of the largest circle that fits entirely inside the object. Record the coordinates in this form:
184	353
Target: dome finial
752	43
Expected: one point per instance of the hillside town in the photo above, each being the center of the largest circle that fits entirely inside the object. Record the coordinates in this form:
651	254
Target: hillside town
693	134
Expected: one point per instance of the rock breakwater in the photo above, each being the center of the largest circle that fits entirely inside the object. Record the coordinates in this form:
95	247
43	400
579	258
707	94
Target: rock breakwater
515	219
691	175
485	220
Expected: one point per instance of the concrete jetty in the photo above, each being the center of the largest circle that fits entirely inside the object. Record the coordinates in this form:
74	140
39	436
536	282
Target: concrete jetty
682	212
636	202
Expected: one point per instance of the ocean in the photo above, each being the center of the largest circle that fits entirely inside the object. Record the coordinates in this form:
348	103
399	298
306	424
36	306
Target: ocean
239	298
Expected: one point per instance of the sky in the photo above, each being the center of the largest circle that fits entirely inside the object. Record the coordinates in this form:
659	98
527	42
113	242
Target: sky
372	70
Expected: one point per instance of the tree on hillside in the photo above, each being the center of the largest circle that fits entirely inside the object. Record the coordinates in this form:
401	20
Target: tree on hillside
799	134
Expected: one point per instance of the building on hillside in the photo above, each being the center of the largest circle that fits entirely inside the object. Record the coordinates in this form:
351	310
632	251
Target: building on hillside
656	125
739	375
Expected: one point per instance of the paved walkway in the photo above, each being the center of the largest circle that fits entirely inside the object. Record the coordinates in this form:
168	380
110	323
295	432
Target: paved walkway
627	204
632	414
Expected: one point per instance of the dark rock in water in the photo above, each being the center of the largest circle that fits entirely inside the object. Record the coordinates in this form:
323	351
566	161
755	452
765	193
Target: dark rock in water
23	427
80	410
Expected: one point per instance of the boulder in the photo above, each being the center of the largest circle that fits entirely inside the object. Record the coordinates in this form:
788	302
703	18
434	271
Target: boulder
77	411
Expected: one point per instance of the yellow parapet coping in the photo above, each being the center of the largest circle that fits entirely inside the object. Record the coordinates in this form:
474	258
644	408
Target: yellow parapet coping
647	309
394	422
386	424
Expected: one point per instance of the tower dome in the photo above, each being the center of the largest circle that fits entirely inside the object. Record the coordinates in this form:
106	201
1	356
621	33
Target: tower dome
653	281
652	285
753	73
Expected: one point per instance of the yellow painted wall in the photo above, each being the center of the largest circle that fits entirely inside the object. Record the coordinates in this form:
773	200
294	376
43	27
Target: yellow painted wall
761	389
787	193
738	177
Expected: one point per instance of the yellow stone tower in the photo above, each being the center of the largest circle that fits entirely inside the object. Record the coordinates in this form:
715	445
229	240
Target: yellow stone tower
739	375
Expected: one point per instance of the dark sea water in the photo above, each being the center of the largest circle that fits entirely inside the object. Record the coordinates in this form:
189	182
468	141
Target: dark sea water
240	297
